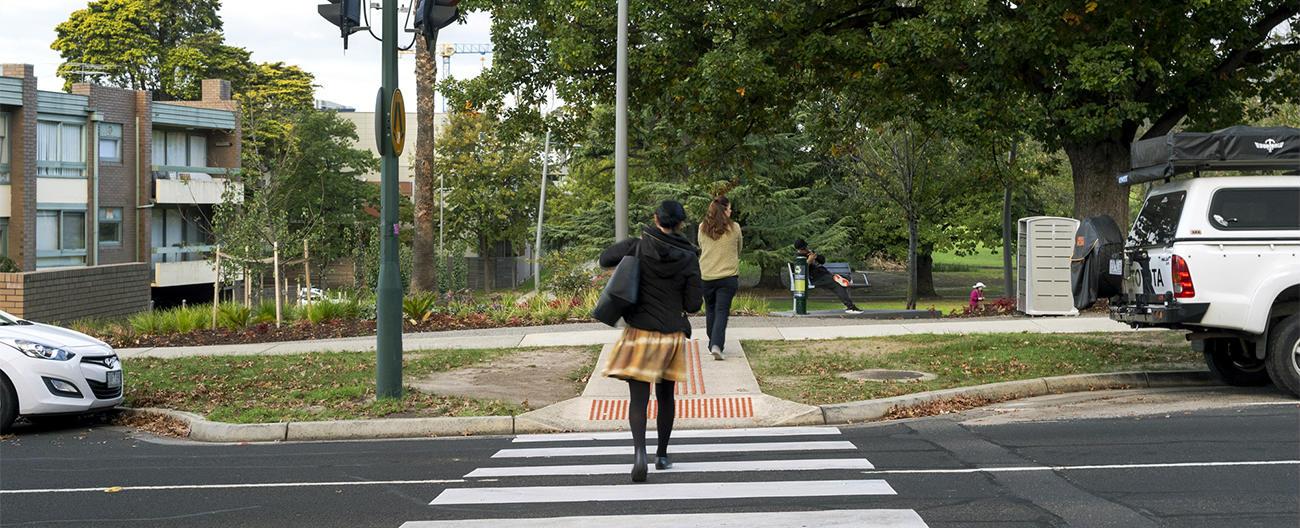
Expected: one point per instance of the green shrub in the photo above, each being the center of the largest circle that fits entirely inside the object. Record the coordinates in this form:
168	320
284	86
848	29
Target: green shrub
147	323
234	316
570	272
417	308
265	313
322	311
186	319
748	305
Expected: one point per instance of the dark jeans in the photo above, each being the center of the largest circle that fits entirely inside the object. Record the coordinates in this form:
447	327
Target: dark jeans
825	280
717	308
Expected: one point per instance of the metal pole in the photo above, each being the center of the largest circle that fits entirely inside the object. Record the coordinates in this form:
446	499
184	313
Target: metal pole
620	128
388	361
541	212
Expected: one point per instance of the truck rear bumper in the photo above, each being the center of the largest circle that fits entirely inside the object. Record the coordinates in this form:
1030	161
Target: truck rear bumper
1159	315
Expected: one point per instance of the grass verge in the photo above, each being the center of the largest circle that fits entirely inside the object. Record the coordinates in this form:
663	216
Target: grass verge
808	371
302	387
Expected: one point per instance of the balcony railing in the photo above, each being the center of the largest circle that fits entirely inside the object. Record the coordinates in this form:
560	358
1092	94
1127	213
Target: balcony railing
182	266
193	185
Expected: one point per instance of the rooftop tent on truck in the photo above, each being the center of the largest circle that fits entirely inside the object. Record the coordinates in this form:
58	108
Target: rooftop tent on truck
1238	148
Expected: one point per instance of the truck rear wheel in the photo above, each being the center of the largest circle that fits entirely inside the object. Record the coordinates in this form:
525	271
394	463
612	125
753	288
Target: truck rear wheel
1284	355
1230	362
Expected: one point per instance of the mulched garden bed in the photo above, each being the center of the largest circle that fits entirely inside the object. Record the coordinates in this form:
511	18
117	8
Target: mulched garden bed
303	331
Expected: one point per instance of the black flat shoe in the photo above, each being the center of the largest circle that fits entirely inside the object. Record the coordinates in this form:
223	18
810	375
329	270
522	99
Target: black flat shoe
639	468
663	463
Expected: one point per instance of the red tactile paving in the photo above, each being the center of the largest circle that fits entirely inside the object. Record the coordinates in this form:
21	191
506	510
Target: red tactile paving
717	407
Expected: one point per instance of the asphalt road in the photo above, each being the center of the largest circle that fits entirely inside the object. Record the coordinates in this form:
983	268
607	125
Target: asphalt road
1203	458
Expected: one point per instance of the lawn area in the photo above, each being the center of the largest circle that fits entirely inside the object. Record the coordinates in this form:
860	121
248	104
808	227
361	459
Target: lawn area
982	258
304	387
808	371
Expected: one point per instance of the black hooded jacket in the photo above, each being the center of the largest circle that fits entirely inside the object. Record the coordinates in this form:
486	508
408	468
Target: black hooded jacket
670	279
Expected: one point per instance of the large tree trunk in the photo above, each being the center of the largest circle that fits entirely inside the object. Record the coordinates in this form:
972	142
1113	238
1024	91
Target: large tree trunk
769	277
1095	167
925	273
424	276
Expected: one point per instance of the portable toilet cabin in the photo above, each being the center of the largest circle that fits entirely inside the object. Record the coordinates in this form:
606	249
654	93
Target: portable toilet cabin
1043	265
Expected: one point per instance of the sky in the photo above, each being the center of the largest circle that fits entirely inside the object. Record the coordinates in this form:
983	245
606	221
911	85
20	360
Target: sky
273	30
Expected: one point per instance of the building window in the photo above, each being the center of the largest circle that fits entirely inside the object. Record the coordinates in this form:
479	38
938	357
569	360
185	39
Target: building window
110	142
4	148
110	226
4	237
59	152
178	149
60	238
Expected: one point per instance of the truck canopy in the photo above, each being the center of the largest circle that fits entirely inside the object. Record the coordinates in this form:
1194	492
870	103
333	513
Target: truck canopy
1239	148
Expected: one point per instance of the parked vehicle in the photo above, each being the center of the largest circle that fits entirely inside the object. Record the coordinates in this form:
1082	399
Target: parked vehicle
1217	256
49	371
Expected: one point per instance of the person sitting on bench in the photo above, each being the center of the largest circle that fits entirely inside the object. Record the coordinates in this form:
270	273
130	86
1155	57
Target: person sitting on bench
820	277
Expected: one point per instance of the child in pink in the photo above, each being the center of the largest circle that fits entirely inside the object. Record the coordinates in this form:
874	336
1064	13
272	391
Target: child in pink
976	295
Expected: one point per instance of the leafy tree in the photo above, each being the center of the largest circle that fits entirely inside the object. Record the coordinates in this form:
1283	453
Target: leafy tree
492	196
165	46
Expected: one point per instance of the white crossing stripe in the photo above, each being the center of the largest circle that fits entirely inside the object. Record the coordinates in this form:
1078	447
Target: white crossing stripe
811	464
676	449
821	519
687	433
674	491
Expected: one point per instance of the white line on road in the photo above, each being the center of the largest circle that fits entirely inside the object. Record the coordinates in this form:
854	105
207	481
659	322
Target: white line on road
114	489
676	491
1022	469
812	464
686	448
688	433
821	519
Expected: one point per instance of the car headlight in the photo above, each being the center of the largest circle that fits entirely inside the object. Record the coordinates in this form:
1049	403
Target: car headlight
39	351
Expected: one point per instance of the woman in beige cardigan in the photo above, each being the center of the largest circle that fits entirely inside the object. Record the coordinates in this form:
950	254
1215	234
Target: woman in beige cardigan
720	242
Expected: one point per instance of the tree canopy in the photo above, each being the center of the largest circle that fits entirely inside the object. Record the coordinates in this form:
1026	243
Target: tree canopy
165	46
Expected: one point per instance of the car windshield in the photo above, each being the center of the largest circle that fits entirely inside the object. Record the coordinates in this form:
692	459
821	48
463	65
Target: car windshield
7	319
1158	221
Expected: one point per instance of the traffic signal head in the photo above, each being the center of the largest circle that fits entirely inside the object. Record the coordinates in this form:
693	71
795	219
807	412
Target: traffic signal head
346	14
433	15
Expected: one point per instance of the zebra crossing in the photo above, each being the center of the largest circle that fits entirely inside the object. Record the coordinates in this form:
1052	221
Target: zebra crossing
764	468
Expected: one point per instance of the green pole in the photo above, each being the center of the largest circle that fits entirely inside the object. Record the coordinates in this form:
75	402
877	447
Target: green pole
388	363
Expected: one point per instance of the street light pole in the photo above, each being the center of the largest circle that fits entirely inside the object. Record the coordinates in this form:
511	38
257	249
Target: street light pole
541	212
620	128
388	361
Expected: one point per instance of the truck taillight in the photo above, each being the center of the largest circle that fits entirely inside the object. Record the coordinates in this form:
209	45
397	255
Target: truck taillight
1183	287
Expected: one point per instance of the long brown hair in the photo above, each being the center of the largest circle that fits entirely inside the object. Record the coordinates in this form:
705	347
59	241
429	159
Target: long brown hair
716	223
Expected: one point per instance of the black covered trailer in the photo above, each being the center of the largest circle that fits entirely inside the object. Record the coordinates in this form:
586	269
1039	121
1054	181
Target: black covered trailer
1239	148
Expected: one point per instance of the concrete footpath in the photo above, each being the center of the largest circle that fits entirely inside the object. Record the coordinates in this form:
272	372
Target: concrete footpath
716	394
583	334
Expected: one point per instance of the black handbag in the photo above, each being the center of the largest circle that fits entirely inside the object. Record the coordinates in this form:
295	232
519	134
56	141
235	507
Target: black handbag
620	293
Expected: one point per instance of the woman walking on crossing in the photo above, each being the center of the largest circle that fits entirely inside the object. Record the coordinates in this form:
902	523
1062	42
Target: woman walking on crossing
652	347
720	244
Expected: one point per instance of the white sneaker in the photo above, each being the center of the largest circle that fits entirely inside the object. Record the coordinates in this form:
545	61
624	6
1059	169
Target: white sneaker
852	311
717	353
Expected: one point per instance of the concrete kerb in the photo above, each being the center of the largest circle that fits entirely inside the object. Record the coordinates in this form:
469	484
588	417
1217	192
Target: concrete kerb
204	430
871	410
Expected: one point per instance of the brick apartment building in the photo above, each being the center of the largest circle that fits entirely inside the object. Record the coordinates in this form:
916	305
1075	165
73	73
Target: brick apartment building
106	195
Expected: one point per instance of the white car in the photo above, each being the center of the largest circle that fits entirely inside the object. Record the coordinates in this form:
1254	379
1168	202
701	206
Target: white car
47	370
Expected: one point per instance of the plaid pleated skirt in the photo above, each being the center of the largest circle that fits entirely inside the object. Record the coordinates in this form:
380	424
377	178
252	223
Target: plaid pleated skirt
649	356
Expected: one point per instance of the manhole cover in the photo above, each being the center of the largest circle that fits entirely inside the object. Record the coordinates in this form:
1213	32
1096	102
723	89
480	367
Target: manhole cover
888	375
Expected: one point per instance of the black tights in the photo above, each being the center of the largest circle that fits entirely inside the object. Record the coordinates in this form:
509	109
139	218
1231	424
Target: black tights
636	412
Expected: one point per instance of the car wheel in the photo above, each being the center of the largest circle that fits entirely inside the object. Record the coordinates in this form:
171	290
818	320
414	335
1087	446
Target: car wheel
8	405
1234	364
1284	355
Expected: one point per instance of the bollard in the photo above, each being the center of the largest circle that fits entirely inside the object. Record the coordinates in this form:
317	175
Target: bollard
799	284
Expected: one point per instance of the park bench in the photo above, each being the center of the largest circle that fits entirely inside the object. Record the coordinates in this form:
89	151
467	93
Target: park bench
857	279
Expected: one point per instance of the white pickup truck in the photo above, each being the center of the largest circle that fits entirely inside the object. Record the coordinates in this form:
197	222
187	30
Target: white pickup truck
1217	256
1221	257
